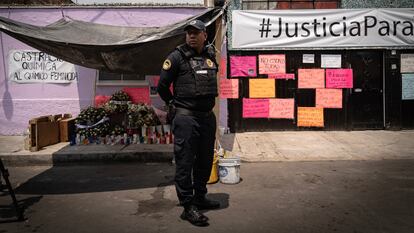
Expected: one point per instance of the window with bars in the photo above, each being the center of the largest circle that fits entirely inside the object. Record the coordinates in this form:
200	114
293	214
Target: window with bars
114	78
289	4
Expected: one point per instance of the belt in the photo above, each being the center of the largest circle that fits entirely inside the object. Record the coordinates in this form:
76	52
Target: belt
186	112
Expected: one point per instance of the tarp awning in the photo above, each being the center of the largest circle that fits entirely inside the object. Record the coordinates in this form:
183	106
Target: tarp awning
104	47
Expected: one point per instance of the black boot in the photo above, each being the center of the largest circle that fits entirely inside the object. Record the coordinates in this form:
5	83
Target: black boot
204	203
194	216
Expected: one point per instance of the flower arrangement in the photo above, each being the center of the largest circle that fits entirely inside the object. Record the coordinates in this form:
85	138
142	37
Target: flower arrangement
92	122
118	102
141	115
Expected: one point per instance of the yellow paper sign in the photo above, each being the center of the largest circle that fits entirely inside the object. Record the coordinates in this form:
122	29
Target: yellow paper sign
262	88
310	117
281	108
311	78
329	98
272	64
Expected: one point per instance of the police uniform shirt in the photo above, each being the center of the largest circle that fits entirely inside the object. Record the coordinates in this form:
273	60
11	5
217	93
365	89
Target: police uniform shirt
175	66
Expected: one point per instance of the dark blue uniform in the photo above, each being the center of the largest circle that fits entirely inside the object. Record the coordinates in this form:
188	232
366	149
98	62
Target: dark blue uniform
194	126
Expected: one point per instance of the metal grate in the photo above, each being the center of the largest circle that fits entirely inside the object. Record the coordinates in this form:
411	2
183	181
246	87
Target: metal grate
289	4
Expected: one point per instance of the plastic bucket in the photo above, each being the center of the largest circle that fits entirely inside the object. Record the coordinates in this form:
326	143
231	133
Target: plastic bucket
229	170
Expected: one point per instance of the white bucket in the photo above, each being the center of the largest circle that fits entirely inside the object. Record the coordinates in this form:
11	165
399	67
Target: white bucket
229	170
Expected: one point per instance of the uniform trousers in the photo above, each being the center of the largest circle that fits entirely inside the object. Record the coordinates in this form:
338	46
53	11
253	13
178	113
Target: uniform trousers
194	139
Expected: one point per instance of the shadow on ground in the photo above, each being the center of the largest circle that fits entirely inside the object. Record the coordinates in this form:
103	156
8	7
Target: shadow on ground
8	212
103	178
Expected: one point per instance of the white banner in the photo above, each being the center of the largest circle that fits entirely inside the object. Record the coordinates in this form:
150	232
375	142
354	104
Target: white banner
322	28
29	66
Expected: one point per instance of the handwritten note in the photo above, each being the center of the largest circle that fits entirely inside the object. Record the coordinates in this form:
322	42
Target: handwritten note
255	108
331	60
329	98
407	86
138	94
272	64
243	66
262	88
339	78
281	108
229	88
308	58
310	117
311	78
407	63
281	76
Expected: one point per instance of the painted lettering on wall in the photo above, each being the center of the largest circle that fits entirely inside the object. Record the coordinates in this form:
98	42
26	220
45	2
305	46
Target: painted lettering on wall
29	66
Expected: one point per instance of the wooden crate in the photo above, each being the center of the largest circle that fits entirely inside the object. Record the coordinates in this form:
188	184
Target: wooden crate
44	131
66	128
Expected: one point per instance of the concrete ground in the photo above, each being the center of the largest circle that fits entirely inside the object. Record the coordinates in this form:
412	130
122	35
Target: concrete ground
321	145
252	147
284	197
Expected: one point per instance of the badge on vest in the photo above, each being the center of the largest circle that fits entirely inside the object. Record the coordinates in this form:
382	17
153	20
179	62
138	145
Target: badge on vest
201	71
167	64
209	63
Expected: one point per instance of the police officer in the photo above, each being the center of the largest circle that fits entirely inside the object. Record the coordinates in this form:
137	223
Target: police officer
192	69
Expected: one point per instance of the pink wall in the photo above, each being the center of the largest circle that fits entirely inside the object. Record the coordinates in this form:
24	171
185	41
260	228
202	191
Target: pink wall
21	102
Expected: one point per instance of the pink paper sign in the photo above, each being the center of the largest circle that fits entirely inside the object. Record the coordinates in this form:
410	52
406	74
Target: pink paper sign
281	108
272	64
281	76
329	98
255	108
311	78
229	88
243	66
339	78
138	94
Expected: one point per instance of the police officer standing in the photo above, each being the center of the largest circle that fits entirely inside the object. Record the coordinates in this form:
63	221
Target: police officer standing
192	69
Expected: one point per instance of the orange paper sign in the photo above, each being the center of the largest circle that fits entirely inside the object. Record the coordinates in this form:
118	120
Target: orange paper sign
229	88
272	64
329	98
311	78
262	88
310	117
281	108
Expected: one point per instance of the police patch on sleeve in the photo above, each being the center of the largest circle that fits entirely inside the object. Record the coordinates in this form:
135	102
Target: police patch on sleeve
209	63
167	64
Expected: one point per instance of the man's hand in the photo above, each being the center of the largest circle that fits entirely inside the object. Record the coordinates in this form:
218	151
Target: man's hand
170	112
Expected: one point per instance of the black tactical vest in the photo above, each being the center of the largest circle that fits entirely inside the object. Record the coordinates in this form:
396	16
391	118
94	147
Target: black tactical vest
197	76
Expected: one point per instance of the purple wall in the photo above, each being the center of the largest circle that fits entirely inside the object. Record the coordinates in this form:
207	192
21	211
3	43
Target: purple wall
21	102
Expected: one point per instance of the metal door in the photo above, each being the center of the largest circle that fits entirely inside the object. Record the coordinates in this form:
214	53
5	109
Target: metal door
366	98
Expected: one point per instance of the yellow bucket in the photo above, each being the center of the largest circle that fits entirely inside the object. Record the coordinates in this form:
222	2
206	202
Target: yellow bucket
214	170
